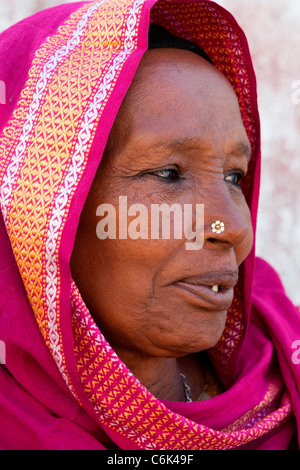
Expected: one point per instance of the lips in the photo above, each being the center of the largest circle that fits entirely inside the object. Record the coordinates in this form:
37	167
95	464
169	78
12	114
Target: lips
212	291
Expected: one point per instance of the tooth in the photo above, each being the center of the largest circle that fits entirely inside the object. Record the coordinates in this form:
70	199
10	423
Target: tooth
215	288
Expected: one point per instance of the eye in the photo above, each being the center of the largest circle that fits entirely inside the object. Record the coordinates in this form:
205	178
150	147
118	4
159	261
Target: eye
234	178
171	175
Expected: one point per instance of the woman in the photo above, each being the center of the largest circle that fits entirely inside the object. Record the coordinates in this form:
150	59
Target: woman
135	342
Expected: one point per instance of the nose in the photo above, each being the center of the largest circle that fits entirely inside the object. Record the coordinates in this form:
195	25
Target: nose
227	223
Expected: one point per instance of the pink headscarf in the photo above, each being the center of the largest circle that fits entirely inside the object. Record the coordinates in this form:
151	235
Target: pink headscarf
66	71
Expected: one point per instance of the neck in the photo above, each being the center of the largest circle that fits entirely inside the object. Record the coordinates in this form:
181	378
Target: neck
161	376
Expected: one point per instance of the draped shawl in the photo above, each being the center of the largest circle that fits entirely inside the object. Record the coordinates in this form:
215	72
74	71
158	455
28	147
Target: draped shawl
66	71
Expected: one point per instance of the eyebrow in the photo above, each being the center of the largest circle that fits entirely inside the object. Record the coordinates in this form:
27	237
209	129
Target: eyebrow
241	148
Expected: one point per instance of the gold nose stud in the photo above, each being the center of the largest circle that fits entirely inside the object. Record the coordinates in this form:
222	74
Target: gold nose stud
218	227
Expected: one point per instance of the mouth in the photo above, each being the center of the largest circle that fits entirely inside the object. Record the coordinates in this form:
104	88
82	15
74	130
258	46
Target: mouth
212	291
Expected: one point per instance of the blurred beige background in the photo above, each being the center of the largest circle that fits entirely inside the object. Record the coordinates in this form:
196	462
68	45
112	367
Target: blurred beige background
273	31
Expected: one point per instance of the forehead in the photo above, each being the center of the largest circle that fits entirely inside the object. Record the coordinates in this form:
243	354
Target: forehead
178	96
171	69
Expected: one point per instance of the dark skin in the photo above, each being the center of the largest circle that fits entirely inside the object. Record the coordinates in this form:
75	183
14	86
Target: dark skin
178	138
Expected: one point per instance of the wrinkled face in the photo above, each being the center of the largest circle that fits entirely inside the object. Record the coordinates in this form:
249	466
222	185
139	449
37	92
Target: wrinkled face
178	138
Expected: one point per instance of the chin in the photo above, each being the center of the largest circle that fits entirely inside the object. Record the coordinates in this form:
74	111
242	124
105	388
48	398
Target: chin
193	346
206	339
180	338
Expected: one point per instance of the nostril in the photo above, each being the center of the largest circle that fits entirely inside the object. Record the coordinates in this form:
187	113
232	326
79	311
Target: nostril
218	241
212	240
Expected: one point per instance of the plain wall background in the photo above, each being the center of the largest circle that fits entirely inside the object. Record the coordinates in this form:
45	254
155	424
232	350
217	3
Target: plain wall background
273	32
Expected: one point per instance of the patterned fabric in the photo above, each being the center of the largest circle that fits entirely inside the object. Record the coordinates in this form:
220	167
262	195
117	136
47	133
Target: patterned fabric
52	138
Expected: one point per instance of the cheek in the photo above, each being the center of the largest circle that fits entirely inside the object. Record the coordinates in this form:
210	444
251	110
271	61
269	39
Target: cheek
156	323
121	294
118	274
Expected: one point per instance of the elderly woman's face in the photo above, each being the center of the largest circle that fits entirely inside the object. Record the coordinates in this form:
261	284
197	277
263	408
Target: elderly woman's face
178	138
